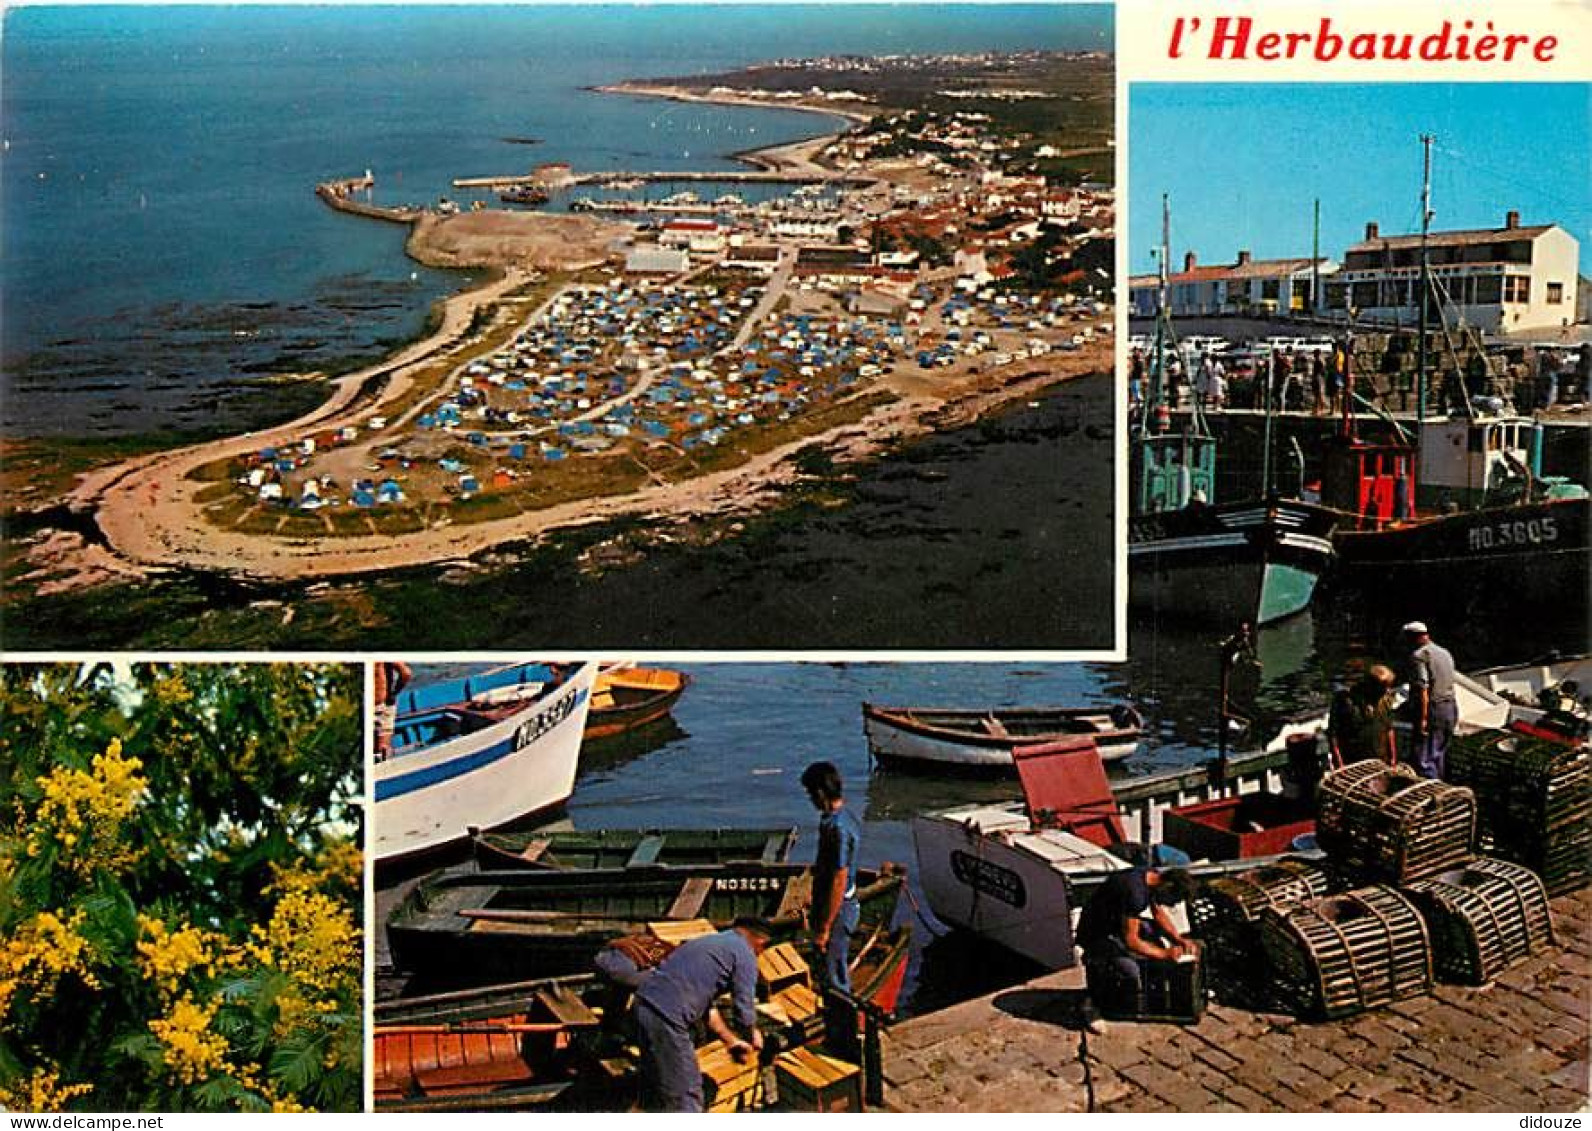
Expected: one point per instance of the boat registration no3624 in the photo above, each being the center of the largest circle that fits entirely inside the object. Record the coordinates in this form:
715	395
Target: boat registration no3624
548	717
1521	532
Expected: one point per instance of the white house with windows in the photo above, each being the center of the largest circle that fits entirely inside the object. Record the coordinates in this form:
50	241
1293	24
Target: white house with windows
1499	280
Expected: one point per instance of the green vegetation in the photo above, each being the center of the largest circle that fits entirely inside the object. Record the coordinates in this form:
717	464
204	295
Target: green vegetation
180	887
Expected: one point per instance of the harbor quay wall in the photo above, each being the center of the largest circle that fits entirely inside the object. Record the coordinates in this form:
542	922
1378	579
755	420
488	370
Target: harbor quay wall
340	195
1519	1044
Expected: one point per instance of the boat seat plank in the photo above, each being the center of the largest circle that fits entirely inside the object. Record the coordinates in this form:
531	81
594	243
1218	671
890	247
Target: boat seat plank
798	894
534	849
995	727
693	894
566	1006
646	851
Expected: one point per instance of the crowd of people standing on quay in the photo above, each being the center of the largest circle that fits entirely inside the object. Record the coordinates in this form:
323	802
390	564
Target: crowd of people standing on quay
1296	380
1290	380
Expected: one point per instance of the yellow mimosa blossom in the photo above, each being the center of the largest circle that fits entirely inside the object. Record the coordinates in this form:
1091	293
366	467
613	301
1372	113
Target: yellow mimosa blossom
311	938
166	957
83	810
41	1092
192	1052
42	950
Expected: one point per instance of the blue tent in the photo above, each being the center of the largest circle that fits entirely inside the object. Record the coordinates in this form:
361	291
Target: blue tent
364	499
516	451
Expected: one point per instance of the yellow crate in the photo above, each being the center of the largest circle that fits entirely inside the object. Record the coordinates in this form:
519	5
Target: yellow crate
729	1084
677	933
810	1081
782	966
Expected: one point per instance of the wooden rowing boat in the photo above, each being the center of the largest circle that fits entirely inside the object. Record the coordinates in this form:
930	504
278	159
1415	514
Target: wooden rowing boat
954	739
463	926
629	848
556	1042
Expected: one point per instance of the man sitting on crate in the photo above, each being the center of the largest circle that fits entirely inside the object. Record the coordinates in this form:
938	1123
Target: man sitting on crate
1117	938
678	995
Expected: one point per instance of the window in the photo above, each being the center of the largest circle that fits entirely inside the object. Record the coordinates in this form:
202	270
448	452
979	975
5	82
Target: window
1268	289
1517	288
1555	292
1489	289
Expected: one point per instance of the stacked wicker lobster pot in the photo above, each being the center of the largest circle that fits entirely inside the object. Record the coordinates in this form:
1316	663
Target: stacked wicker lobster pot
1339	954
1483	917
1534	803
1384	824
1224	914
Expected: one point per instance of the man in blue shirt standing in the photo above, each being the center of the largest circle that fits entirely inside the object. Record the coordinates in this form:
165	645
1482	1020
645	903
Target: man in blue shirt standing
835	909
679	994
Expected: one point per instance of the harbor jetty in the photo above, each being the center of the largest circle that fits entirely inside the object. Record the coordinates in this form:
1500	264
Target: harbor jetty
343	196
1517	1044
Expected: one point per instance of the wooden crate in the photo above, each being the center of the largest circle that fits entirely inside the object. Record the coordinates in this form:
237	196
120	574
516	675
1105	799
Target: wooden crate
1483	918
1223	913
1341	954
729	1084
1534	803
812	1082
1384	824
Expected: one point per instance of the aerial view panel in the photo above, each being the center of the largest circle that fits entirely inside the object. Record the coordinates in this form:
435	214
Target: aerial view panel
769	327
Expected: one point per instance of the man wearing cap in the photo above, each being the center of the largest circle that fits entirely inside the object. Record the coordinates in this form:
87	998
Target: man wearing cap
679	994
1433	709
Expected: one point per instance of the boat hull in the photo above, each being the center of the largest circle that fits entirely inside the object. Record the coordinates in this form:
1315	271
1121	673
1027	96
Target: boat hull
1010	891
628	699
1232	564
1533	560
516	768
948	741
631	848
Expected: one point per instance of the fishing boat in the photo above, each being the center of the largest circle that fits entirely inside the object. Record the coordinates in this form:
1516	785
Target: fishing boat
1190	556
630	848
482	751
1548	698
525	194
941	738
466	925
627	698
1459	518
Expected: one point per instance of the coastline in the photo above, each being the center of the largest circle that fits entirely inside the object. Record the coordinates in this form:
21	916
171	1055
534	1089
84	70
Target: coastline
151	517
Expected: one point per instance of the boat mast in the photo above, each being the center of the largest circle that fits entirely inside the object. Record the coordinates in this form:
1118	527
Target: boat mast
1426	276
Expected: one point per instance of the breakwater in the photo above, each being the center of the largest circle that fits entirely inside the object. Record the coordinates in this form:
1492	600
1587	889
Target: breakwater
340	194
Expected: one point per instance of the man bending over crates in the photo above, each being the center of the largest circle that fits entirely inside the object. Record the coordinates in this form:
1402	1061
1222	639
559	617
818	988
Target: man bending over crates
679	994
1118	939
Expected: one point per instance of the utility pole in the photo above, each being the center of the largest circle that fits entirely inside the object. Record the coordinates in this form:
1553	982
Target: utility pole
1315	263
1426	281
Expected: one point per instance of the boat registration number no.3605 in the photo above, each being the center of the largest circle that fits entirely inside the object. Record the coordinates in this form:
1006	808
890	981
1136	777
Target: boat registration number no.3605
548	718
1526	532
748	883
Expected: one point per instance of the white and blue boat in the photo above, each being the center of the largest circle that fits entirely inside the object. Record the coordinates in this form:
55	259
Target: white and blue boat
480	752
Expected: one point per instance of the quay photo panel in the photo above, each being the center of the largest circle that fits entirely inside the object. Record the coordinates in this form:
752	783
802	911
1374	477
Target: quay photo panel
182	887
679	327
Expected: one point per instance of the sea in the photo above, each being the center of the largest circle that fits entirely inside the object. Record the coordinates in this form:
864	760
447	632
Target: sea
165	257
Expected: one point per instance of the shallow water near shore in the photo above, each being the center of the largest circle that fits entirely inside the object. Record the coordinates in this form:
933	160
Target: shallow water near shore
147	293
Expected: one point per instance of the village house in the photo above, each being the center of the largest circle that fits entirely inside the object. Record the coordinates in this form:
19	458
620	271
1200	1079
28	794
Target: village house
1246	286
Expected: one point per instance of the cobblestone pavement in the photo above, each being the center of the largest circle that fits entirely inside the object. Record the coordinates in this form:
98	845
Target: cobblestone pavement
1519	1044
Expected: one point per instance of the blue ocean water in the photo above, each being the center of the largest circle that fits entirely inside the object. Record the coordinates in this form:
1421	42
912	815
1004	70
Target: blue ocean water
162	242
